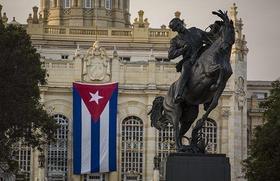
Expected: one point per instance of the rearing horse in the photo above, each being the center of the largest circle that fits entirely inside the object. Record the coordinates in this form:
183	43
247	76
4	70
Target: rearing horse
207	80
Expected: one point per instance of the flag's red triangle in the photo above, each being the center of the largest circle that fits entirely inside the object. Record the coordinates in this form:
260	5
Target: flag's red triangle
95	96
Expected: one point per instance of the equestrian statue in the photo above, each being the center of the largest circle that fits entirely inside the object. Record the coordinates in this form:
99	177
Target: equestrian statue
205	69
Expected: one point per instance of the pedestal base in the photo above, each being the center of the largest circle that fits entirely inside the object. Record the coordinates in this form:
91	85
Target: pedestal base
197	167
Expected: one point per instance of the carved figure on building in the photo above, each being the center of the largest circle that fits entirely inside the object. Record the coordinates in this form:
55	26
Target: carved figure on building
141	22
240	92
205	71
96	64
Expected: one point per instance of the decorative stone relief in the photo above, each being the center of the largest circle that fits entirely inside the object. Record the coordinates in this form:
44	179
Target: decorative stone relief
240	93
96	64
140	22
50	110
225	112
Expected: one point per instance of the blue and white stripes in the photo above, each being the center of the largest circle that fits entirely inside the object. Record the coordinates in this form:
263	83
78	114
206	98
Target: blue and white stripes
94	141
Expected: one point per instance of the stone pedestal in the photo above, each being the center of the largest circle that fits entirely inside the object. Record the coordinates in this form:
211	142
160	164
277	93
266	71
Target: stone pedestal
197	167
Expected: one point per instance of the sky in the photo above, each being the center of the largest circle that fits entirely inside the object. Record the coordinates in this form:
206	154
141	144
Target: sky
260	19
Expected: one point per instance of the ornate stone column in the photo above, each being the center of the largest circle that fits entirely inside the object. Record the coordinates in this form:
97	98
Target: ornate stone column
121	4
126	5
80	3
47	4
96	4
115	4
42	5
102	3
58	3
76	15
54	3
74	3
126	13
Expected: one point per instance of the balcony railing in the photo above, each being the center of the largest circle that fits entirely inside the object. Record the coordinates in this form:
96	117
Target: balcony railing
161	34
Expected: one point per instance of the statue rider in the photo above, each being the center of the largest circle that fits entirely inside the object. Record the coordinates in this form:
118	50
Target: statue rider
189	43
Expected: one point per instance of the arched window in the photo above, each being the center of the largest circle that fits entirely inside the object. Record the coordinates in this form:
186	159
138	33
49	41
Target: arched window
66	3
88	3
166	142
22	153
209	131
57	152
108	4
132	148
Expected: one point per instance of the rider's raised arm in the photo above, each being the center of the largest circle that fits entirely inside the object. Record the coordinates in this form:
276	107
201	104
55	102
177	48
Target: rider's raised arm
174	50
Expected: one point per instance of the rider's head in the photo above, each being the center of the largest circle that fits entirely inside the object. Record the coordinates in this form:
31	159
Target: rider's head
176	24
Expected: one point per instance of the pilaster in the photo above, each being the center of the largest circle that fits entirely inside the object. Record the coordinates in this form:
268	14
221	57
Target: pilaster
74	3
55	17
102	4
115	67
80	3
237	122
121	4
42	5
76	16
58	3
152	72
78	68
150	140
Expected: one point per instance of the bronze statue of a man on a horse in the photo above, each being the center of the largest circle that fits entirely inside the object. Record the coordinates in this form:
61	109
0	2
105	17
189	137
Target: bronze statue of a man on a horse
205	69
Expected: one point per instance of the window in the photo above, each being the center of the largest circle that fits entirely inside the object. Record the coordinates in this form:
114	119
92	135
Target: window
22	154
108	4
260	95
87	3
64	57
131	148
125	59
166	142
66	3
209	132
162	59
57	152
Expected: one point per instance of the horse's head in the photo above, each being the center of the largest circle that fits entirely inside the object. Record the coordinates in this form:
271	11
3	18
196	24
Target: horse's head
226	29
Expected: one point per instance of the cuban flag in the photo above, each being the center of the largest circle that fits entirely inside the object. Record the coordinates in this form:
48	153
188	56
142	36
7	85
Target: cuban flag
94	127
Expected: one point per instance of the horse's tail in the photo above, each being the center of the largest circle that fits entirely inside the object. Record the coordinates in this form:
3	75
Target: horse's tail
157	116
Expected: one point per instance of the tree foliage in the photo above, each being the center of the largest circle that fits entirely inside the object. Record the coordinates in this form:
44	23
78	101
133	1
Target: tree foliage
263	162
22	117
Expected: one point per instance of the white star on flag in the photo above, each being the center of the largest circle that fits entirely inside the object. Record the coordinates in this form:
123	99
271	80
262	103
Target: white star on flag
95	97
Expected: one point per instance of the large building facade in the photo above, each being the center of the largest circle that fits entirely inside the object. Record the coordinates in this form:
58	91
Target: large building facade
94	41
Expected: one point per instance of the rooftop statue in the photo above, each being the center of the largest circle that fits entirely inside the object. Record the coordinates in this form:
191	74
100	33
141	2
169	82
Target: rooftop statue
205	69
